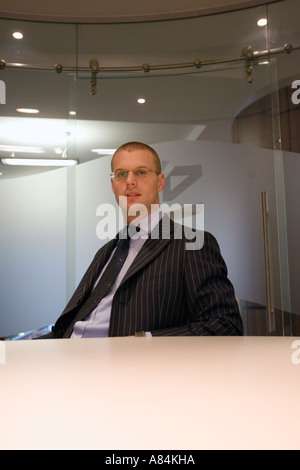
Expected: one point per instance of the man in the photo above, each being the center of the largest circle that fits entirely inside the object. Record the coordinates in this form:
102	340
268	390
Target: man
162	288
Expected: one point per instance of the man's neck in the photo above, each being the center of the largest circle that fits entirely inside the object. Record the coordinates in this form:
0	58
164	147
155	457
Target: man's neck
149	220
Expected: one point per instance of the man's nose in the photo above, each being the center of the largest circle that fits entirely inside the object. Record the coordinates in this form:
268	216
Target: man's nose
131	178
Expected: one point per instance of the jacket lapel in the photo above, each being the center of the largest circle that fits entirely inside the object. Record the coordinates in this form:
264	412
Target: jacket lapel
160	237
101	258
89	278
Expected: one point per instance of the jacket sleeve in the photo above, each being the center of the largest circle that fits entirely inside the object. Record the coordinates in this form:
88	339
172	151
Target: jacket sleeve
210	297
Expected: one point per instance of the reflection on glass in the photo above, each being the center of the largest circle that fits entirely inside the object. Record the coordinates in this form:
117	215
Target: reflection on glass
225	108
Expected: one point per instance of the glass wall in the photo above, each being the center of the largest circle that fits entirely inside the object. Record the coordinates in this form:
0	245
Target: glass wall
220	108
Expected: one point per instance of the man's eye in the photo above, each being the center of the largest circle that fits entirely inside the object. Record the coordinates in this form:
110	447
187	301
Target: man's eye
122	174
142	172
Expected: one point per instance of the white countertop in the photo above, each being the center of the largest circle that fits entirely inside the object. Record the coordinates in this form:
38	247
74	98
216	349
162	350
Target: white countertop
179	393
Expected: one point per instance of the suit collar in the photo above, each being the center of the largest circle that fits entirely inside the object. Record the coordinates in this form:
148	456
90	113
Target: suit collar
160	237
99	261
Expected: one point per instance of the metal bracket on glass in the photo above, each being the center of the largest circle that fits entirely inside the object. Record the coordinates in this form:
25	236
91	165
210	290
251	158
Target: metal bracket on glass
249	56
94	66
58	68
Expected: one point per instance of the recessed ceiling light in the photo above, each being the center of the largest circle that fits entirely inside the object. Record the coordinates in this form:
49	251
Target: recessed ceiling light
262	22
141	100
1	173
72	113
18	35
28	110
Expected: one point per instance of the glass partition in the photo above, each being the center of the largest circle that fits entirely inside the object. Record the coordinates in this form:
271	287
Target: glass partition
284	29
218	108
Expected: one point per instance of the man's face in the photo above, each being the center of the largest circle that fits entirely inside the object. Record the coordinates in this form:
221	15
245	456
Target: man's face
136	190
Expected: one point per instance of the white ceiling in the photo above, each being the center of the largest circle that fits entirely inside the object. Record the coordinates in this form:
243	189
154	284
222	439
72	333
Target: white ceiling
185	106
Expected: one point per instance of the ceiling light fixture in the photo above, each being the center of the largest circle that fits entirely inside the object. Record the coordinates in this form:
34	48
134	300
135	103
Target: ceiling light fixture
28	110
18	35
141	100
37	162
262	22
20	148
104	152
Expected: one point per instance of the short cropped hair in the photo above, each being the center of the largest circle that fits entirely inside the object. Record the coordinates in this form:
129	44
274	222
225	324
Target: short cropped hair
131	146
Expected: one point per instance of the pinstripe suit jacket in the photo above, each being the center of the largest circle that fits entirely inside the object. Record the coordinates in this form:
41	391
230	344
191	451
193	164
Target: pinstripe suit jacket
168	290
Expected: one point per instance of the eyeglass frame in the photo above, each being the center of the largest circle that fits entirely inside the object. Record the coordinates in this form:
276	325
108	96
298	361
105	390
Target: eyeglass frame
113	175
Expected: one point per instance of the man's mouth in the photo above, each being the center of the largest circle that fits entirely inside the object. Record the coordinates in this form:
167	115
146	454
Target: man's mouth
133	194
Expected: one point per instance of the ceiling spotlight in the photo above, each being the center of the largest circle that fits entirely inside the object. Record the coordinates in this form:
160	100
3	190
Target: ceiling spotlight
262	22
141	100
72	113
18	35
28	110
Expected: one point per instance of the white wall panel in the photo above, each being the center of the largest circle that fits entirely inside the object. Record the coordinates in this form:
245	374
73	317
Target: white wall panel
33	251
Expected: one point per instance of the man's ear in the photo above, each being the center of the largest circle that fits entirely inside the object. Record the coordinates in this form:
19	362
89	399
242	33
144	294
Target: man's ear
161	182
112	184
